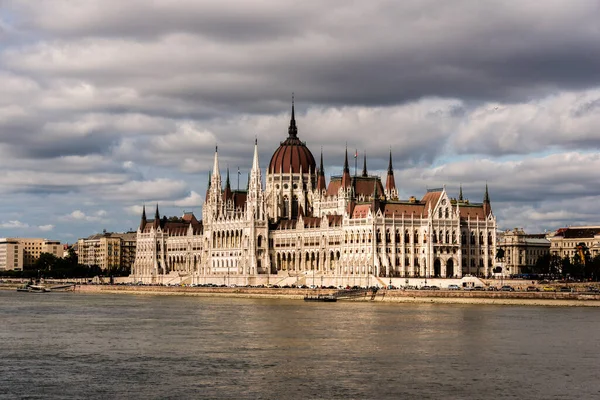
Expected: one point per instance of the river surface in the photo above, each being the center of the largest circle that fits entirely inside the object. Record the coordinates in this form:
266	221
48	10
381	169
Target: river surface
108	346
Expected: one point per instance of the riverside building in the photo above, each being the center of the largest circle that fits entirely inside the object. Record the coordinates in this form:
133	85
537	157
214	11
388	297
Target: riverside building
295	224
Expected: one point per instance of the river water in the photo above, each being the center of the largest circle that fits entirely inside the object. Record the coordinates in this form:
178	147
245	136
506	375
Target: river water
104	346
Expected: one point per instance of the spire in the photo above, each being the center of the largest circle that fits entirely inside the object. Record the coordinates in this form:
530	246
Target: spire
321	169
293	130
321	178
364	171
487	207
143	222
390	182
460	194
346	180
156	218
227	194
346	169
255	159
216	172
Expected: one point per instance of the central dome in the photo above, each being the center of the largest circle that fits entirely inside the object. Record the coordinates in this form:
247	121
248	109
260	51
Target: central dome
292	155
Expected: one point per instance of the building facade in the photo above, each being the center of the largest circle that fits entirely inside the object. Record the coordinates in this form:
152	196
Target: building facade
108	250
564	241
297	224
11	255
521	250
34	247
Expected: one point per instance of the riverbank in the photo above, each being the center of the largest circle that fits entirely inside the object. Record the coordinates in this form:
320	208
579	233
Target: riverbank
577	299
388	296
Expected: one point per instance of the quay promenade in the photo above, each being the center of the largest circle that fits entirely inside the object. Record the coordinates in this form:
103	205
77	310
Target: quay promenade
577	297
383	295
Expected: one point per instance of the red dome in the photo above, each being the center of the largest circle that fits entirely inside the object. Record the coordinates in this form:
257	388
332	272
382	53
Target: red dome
292	153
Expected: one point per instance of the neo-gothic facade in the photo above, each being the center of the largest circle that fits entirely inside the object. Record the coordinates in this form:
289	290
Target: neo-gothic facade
297	224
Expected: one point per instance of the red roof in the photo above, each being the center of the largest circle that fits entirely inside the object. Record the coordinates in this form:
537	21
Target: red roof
292	153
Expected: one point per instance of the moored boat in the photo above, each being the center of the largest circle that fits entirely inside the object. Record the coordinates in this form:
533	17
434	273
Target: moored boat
321	297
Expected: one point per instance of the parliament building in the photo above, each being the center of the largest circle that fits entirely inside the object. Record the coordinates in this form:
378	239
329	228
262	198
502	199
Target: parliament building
295	224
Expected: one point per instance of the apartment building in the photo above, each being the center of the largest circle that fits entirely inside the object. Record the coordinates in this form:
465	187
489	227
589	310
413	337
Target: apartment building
108	250
11	255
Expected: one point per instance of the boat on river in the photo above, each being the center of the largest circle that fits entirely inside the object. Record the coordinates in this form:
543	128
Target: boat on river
321	297
34	288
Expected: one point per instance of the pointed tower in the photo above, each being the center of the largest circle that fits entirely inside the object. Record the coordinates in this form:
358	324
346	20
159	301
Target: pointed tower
391	193
144	220
156	222
487	206
346	180
364	171
215	180
207	188
227	194
460	193
255	199
321	187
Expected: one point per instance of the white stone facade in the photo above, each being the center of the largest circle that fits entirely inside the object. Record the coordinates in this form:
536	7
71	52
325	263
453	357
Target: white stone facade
298	226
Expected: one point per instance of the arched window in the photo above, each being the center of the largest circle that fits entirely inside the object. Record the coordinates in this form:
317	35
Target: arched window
440	213
434	237
446	213
472	237
447	236
416	237
295	207
285	207
259	241
406	237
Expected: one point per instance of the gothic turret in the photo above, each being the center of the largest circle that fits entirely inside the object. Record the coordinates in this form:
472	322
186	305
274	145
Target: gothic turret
227	193
364	171
390	183
346	180
321	177
487	206
144	220
156	222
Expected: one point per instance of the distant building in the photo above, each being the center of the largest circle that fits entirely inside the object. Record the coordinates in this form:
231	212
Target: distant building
563	242
521	250
11	255
107	250
33	247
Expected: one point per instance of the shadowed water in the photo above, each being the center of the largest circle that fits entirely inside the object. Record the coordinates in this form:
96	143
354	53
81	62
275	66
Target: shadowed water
71	346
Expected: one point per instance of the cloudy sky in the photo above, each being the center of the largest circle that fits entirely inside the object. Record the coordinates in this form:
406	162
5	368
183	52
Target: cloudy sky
108	105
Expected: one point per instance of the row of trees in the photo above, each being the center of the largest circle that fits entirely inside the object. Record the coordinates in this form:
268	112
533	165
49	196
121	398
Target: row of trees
582	266
50	266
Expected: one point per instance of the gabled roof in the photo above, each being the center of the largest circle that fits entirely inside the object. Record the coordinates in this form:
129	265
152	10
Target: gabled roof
335	220
361	211
472	211
311	222
431	198
398	209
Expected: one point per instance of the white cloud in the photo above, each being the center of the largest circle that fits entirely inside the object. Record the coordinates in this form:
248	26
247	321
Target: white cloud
14	225
46	228
193	200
